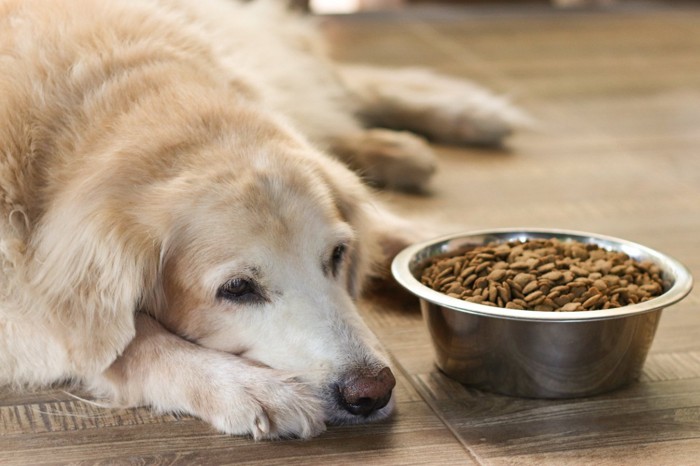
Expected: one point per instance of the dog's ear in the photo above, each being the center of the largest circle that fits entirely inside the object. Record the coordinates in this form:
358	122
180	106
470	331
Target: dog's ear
353	200
88	270
381	234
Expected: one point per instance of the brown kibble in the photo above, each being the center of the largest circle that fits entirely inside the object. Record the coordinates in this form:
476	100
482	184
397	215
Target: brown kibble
577	291
569	307
603	266
502	250
522	279
501	265
546	267
563	299
549	302
567	276
592	301
533	296
493	292
545	275
590	292
504	292
483	266
444	281
653	288
470	279
497	275
512	284
600	284
530	287
444	272
515	292
455	288
543	308
532	262
520	265
579	253
554	275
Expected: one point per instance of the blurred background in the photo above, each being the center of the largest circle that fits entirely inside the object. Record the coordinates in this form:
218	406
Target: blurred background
352	6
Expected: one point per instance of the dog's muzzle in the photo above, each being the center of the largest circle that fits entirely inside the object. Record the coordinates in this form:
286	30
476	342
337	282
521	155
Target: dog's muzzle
364	395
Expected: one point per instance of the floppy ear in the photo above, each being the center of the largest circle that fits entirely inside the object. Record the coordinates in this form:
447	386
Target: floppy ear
381	234
88	269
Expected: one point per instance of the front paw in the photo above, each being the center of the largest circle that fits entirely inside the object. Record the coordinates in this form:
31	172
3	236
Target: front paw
267	407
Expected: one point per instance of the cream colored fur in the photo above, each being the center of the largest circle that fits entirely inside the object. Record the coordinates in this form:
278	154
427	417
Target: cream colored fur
152	152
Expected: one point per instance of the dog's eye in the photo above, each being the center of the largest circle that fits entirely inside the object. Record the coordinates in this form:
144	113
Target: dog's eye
337	257
238	289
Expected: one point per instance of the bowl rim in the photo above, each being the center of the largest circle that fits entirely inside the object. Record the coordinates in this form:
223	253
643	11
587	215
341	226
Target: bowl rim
682	283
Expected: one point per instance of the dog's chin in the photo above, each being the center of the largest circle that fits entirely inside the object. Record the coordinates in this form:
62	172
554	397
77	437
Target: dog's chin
336	415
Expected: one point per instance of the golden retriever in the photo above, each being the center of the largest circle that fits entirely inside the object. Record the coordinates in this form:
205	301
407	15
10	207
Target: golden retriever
173	232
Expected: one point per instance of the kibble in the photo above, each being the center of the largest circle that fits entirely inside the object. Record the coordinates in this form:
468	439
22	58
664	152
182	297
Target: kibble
545	275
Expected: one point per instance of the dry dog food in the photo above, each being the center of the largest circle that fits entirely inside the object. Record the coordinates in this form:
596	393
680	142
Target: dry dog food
545	275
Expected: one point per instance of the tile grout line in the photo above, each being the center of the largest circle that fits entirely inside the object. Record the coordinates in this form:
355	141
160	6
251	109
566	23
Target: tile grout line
453	49
470	453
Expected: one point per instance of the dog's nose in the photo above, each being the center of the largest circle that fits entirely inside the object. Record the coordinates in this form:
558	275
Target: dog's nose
364	395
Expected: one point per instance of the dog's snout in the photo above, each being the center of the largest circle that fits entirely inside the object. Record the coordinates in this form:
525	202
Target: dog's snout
366	394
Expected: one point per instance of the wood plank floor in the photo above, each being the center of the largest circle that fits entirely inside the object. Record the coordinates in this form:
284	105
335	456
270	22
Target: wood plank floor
617	94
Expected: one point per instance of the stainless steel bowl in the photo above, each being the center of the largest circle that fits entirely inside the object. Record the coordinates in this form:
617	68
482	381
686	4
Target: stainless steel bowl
538	354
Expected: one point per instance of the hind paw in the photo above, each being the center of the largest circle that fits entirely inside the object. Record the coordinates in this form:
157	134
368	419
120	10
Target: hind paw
391	159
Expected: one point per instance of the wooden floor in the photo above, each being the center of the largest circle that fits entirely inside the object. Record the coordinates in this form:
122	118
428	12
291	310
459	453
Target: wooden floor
618	153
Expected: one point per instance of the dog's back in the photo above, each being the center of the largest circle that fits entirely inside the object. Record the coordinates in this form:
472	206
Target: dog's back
74	73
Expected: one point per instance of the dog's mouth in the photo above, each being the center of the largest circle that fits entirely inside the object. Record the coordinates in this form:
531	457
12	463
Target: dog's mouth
360	398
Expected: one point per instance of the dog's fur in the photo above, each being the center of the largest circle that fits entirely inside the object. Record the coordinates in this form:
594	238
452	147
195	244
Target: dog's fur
172	232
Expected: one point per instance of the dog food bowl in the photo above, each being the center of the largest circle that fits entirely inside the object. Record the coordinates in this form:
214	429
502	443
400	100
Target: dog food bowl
538	354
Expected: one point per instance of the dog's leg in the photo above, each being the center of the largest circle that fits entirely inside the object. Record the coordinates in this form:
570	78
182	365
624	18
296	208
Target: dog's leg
386	158
30	352
442	108
236	396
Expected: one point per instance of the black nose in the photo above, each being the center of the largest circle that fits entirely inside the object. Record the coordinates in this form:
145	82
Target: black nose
364	395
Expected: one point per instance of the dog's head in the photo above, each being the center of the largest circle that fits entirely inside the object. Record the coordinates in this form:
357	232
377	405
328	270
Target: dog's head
264	257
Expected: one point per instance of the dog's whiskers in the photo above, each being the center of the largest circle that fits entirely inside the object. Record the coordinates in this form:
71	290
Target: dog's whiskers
84	400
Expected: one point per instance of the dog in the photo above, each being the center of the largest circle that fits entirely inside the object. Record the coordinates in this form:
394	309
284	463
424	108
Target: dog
182	223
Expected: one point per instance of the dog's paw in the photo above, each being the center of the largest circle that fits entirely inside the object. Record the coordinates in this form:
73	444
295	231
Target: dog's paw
476	116
452	110
266	407
443	108
390	159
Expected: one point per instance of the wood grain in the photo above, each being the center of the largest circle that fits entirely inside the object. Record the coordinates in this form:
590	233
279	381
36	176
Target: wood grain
617	151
